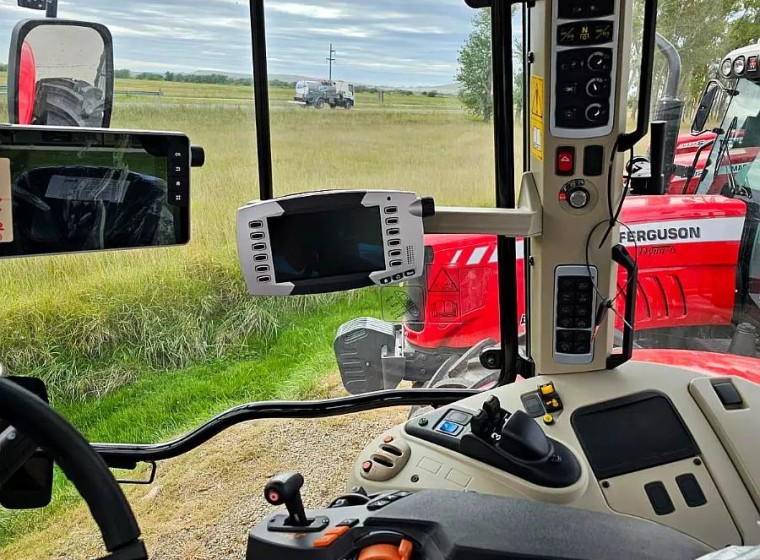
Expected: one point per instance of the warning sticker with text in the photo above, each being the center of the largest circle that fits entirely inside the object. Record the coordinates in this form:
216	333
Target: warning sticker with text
6	204
536	100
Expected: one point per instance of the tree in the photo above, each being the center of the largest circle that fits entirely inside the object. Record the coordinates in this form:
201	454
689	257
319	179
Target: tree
474	74
518	75
3	67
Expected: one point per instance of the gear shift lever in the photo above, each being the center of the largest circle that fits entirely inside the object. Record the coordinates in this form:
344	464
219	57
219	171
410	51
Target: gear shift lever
285	488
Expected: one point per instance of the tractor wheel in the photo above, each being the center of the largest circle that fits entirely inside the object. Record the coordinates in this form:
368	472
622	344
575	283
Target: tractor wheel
320	103
65	102
349	104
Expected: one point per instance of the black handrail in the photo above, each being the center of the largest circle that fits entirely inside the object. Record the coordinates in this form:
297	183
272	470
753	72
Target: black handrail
622	257
126	456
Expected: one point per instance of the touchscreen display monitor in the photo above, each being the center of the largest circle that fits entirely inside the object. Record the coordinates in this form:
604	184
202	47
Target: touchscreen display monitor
327	243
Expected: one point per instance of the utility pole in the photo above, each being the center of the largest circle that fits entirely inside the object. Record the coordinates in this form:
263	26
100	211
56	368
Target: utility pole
331	59
52	9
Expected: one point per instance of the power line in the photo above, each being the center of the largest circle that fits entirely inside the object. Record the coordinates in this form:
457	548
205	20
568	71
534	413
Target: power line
331	59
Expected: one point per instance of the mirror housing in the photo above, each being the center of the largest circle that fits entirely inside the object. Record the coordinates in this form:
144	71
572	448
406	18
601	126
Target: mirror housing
60	73
705	106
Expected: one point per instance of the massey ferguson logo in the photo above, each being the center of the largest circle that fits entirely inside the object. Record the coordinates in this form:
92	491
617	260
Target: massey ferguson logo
661	234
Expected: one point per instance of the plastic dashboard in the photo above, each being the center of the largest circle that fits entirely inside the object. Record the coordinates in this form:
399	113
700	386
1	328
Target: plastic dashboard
688	462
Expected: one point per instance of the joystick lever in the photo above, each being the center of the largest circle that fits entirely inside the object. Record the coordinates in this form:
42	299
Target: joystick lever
488	420
285	488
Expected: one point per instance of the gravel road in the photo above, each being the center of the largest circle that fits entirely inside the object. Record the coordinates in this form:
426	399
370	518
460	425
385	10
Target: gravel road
202	505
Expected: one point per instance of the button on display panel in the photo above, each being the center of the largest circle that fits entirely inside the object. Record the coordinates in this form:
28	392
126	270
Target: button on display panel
574	311
448	427
458	417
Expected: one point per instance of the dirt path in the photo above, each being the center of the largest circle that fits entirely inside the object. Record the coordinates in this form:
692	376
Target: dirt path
202	505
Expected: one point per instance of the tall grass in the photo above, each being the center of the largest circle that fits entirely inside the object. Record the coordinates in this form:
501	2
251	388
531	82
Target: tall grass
88	324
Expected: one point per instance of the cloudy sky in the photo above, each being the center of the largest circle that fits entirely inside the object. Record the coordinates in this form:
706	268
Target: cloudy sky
384	42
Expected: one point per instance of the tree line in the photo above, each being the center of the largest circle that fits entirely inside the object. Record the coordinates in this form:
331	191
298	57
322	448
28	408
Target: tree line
703	32
3	67
221	79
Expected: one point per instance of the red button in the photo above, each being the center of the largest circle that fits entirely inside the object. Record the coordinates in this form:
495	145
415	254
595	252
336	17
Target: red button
367	466
565	161
388	439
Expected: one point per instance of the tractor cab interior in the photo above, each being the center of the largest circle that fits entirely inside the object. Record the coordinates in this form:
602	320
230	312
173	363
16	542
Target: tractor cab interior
575	448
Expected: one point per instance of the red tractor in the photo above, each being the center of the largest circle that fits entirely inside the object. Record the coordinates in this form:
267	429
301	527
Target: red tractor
697	244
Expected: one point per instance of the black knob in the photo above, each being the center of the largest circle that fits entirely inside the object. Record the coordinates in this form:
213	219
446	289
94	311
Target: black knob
595	87
595	113
522	437
596	61
480	425
197	156
285	488
492	408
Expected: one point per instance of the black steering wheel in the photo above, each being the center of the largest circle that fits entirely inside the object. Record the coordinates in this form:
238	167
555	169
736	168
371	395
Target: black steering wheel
82	466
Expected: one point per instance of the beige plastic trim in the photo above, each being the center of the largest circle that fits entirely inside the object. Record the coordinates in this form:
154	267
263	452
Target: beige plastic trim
380	457
711	523
432	466
524	221
737	429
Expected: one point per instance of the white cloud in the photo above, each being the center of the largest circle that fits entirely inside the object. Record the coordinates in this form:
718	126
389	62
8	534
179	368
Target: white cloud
306	10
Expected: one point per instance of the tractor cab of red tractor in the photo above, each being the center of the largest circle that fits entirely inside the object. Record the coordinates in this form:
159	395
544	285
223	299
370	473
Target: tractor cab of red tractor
592	455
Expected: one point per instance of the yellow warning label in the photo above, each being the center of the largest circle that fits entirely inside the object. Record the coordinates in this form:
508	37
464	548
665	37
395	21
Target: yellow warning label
537	117
536	97
6	204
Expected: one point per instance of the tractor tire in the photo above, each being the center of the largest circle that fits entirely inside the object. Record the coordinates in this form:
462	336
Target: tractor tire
349	104
65	102
319	103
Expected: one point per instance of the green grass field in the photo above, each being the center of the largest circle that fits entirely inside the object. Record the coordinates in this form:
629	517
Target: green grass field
140	346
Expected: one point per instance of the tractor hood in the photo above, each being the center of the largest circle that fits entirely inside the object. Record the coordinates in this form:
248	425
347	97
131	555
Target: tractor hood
687	249
704	362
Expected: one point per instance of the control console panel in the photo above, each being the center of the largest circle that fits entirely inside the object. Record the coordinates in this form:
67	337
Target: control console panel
510	441
327	241
585	42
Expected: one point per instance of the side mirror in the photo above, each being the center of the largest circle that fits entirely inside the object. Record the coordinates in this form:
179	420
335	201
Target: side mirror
705	106
60	73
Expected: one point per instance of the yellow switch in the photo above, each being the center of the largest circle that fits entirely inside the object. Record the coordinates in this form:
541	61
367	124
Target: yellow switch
548	419
547	389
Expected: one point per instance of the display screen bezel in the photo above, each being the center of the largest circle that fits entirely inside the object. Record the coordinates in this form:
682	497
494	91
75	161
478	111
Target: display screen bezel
171	150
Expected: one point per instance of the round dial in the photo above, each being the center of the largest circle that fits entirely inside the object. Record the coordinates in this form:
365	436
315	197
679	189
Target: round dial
596	87
595	113
596	61
578	198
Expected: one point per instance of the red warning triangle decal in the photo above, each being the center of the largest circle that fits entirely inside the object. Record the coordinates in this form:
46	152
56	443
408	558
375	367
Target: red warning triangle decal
443	283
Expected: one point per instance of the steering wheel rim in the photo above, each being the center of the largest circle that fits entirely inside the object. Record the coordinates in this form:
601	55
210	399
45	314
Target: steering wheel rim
81	464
